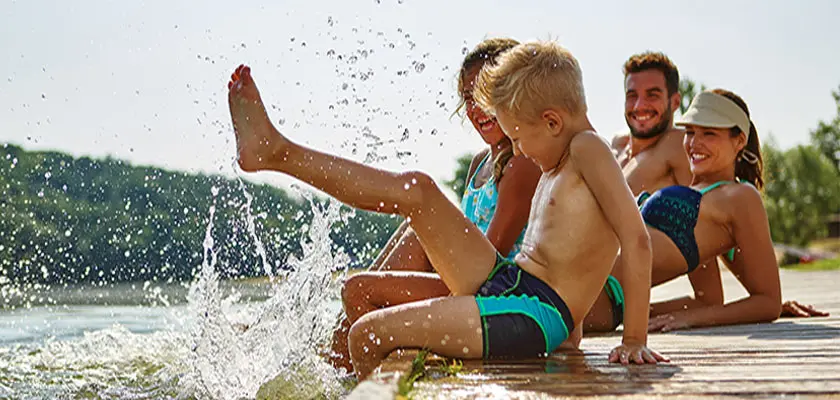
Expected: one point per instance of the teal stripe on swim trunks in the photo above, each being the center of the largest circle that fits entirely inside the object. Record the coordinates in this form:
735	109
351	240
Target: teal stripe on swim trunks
547	317
614	291
616	294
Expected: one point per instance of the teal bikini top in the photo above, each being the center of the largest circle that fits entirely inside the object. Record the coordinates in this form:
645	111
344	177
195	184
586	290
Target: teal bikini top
479	205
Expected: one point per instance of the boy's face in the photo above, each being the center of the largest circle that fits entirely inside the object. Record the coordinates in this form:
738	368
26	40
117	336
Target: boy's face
530	139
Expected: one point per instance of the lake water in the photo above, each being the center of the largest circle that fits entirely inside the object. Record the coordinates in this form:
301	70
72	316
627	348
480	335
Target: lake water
150	341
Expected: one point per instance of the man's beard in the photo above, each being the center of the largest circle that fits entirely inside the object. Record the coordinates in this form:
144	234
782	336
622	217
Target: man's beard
657	129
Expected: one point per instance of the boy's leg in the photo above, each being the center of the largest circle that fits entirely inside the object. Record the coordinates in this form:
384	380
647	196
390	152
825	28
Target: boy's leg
458	250
448	326
339	355
366	292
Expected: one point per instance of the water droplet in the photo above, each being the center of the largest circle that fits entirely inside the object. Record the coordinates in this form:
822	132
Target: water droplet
405	186
419	67
466	350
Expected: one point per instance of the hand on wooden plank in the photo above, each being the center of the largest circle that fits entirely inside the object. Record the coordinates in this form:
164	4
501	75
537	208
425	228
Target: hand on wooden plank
795	309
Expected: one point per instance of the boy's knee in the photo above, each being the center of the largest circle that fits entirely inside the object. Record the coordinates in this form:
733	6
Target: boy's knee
352	288
364	335
353	294
420	186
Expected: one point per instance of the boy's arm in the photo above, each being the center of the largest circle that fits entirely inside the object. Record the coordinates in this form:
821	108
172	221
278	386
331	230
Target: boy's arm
593	159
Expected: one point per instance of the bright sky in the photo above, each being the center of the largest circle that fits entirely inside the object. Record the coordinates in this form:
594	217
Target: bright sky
146	81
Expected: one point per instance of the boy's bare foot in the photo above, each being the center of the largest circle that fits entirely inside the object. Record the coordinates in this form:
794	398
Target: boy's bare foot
259	144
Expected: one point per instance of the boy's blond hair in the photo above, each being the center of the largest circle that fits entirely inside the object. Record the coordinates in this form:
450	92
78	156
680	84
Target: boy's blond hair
530	78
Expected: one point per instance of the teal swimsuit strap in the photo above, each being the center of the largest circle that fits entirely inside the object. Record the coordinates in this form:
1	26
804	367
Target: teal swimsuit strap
713	186
478	168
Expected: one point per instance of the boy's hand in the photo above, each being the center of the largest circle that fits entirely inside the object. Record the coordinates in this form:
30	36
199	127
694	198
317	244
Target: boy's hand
668	322
635	353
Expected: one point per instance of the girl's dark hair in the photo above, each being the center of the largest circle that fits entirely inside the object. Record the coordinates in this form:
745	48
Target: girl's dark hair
745	169
487	51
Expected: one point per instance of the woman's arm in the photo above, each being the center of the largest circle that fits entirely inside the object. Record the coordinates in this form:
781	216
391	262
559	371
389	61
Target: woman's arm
708	291
389	247
759	274
516	190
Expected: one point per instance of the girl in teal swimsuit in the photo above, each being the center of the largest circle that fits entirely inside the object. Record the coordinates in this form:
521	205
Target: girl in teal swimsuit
497	199
716	213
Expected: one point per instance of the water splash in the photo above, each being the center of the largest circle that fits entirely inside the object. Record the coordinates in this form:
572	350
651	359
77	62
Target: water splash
249	218
281	344
223	349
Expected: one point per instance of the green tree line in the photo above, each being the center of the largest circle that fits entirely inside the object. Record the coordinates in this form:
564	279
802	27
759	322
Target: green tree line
67	220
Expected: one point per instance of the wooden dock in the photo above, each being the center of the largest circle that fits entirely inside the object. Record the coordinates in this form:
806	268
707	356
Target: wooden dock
791	358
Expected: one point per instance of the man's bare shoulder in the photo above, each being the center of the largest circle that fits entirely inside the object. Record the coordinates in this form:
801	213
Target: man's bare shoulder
620	140
673	138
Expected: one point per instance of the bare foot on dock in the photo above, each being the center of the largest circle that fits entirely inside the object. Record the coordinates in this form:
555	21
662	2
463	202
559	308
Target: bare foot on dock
260	146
